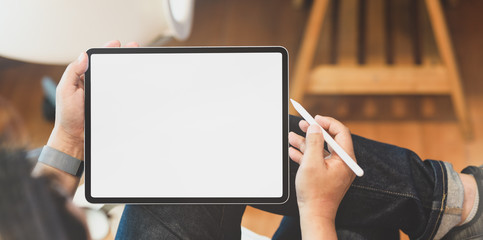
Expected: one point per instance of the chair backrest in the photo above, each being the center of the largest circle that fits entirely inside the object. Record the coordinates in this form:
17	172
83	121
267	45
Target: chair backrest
377	32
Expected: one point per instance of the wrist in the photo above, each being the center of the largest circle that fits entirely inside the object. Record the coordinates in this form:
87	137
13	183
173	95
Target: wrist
323	211
66	143
316	226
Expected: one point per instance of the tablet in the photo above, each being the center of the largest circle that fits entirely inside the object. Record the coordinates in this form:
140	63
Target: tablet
187	125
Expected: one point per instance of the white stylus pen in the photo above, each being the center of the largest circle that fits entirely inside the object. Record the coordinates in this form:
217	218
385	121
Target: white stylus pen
342	154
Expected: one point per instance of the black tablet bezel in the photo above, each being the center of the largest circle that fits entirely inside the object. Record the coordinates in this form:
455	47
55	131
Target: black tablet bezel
168	50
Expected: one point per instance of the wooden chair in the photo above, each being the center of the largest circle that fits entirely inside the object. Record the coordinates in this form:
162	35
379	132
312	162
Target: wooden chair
366	53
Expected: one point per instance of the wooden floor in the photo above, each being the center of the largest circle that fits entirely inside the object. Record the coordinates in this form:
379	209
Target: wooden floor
425	124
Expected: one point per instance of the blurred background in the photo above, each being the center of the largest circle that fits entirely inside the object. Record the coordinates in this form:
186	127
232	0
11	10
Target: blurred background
418	64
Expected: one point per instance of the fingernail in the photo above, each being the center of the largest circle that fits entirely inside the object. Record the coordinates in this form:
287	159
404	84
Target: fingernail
314	128
81	57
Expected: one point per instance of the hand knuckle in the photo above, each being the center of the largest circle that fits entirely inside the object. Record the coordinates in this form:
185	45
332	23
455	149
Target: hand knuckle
302	146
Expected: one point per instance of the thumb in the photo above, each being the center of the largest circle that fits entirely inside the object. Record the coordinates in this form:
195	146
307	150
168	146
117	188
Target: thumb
75	69
314	144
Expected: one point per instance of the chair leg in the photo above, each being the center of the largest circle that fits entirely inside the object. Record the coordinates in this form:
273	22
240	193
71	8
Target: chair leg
447	54
307	50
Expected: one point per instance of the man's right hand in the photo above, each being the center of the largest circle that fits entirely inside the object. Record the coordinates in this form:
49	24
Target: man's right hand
321	182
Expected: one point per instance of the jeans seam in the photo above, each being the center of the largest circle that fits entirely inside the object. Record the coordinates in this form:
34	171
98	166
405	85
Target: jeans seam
160	221
385	191
220	234
441	209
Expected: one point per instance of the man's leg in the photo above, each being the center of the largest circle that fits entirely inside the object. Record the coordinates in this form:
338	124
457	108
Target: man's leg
181	222
471	225
289	229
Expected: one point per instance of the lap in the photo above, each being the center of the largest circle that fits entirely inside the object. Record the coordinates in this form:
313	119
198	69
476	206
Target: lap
180	222
223	221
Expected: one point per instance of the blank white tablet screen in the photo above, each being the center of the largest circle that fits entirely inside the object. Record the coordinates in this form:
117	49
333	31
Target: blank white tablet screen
191	125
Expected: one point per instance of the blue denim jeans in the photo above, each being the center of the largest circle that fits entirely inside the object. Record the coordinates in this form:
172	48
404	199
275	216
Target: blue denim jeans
398	191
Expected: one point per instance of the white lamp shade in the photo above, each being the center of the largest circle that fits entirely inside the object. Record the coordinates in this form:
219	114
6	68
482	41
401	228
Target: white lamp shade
56	31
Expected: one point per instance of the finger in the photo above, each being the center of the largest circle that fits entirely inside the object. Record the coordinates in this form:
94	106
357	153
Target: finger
297	141
340	132
314	145
74	71
304	125
295	155
331	125
113	43
132	45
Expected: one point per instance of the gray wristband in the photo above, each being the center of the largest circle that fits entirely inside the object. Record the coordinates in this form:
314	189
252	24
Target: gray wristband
61	161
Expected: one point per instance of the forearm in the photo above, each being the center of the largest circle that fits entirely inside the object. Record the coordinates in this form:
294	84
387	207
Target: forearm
316	226
68	145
